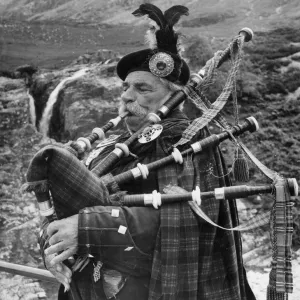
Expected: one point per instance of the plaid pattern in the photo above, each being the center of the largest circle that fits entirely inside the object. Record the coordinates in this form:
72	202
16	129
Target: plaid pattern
199	99
176	255
209	114
281	279
197	258
282	282
68	180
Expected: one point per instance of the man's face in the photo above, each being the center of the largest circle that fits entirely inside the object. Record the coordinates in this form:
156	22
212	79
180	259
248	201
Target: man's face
143	93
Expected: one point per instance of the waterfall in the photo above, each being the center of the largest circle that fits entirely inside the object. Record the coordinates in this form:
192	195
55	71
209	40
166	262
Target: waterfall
47	114
31	108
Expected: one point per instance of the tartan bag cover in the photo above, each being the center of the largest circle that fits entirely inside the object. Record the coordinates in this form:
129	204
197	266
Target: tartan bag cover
56	169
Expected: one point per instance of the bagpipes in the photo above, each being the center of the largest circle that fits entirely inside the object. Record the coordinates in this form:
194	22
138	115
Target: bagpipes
57	170
63	185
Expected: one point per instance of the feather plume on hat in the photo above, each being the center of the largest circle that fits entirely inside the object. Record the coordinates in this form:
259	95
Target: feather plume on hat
161	35
162	58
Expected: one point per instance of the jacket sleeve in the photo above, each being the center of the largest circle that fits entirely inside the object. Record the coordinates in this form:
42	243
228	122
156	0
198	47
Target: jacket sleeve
118	235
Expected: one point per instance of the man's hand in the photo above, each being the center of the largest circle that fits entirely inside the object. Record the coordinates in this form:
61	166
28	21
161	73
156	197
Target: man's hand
60	271
63	239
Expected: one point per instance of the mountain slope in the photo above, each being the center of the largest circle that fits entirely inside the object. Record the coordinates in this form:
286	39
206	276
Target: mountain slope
257	13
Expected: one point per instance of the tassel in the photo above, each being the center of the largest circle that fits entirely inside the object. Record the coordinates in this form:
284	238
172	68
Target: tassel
240	166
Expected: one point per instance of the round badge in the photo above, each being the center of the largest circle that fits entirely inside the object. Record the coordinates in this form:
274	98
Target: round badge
150	133
161	64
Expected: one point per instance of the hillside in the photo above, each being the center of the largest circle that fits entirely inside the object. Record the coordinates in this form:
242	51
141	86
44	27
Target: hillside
53	33
257	13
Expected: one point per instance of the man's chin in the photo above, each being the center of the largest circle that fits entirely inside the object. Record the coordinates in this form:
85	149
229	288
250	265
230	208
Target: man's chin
134	123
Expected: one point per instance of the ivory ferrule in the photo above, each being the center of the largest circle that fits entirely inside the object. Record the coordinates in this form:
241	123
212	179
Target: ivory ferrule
45	205
87	143
136	173
177	156
196	147
254	121
99	132
81	144
116	121
46	208
154	118
247	32
220	193
197	78
148	199
164	110
118	152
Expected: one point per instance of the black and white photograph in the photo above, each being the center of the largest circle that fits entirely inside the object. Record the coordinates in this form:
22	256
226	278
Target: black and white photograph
149	149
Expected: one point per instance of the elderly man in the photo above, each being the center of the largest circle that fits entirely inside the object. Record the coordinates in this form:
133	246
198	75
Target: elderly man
142	253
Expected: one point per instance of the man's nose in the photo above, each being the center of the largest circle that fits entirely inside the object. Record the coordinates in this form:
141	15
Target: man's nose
128	95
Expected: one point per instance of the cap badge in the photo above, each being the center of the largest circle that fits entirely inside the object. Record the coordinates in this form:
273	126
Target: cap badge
161	64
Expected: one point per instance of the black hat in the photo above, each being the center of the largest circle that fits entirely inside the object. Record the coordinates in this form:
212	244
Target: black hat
163	57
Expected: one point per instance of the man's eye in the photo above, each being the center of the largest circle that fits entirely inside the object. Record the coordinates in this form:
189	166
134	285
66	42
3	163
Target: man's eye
143	89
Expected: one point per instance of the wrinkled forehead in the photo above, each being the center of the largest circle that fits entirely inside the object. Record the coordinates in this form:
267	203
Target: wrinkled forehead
143	77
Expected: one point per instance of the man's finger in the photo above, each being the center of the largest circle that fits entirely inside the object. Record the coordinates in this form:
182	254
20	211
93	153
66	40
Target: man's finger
62	278
64	270
63	256
55	238
67	271
58	268
54	249
53	227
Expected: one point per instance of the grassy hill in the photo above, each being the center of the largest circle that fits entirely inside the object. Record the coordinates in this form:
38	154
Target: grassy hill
258	12
51	33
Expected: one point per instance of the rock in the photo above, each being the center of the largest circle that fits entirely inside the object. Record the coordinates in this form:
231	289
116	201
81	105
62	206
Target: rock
3	159
8	84
296	56
19	288
103	56
26	70
5	178
82	104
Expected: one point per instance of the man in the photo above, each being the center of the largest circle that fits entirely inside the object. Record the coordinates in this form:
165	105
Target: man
143	253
